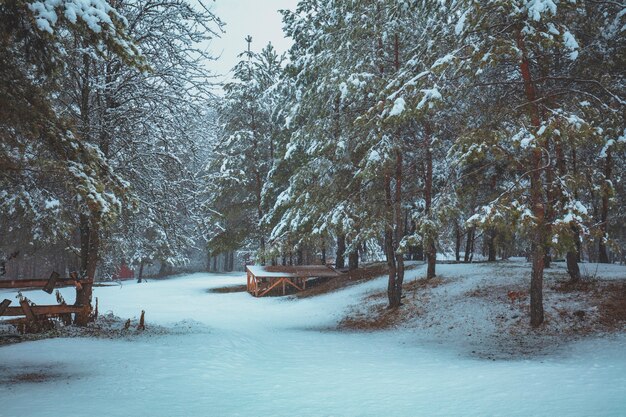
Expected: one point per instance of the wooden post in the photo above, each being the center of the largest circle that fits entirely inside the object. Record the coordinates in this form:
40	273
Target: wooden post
49	287
142	324
283	280
3	306
28	312
274	284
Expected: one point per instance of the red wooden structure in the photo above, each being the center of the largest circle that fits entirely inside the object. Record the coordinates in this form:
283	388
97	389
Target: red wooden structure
124	272
263	279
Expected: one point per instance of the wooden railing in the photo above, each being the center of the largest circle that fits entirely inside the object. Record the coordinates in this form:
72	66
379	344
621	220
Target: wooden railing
31	312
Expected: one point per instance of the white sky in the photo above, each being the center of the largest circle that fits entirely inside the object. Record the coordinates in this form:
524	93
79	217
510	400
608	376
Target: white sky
257	18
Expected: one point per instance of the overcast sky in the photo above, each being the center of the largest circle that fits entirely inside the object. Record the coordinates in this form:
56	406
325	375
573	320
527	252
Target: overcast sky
257	18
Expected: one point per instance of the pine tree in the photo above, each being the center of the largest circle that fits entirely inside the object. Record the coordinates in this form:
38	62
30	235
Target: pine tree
244	154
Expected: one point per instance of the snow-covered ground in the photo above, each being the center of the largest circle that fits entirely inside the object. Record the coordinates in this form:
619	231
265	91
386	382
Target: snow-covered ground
234	355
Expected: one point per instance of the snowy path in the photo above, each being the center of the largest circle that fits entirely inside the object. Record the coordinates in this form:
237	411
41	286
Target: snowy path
263	357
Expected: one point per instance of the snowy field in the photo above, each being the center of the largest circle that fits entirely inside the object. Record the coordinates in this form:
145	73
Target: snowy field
234	355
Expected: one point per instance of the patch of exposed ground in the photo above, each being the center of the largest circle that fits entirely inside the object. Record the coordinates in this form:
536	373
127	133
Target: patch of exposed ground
349	278
106	326
379	317
588	307
227	289
485	311
603	304
32	375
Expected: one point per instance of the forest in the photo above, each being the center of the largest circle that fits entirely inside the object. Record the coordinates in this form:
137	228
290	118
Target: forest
417	208
390	131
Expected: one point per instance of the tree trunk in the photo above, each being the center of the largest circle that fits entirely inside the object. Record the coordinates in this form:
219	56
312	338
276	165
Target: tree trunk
457	242
468	244
572	266
353	259
431	251
547	257
550	212
491	245
393	234
341	251
90	246
536	195
225	262
572	257
392	292
262	250
164	269
416	253
419	253
431	258
231	261
603	256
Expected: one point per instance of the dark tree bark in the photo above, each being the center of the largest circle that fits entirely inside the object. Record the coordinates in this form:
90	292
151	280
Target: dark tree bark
416	253
393	234
550	213
469	244
227	267
491	245
393	206
457	242
89	253
431	251
575	172
572	266
419	253
341	251
572	256
603	256
353	259
88	225
165	269
536	195
547	257
431	258
392	293
399	232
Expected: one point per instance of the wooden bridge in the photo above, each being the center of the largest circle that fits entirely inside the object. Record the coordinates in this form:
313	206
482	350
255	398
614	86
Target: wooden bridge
263	279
